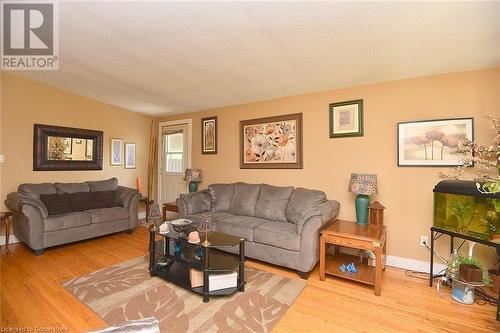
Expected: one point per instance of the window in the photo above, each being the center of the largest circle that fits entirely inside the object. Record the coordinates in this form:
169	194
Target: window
174	152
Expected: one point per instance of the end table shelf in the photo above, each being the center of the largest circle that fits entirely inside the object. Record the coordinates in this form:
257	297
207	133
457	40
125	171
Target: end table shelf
172	257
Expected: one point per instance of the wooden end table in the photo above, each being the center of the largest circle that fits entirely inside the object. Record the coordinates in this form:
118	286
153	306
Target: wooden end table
349	234
169	206
6	216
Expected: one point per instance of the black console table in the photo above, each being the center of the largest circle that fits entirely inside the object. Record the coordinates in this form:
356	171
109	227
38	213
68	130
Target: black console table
438	232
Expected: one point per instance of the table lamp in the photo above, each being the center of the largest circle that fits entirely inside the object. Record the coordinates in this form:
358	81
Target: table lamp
364	185
194	175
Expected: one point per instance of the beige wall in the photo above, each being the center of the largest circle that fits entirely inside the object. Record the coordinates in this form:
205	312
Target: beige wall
328	163
25	103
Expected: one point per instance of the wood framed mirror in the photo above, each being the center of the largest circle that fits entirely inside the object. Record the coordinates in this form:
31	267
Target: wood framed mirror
57	148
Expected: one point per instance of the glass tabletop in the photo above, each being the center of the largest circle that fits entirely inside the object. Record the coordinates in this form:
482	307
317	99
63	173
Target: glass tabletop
215	239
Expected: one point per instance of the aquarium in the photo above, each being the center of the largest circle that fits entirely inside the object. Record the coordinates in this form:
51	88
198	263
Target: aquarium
460	207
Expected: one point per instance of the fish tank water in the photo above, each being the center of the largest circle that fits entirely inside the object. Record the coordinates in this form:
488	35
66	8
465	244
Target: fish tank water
460	207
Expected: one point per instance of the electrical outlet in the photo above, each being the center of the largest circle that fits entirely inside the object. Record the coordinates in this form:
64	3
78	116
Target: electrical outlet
424	240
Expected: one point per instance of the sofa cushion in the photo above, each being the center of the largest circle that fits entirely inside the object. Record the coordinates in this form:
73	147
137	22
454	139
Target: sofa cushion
215	216
239	225
56	203
272	202
221	195
197	202
103	185
244	199
34	190
66	221
101	215
304	204
72	187
283	235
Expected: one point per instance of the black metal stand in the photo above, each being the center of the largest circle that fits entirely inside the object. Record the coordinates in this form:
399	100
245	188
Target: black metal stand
438	232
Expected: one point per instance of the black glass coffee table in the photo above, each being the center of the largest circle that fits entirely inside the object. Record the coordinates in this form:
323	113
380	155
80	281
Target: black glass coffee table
172	257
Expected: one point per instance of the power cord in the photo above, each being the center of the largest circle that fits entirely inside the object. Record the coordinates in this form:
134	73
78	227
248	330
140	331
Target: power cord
437	254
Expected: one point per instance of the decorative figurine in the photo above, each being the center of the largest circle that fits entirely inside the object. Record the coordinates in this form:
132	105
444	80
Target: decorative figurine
164	228
194	237
376	214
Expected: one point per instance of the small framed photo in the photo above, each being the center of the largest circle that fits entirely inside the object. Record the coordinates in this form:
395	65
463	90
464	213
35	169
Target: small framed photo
346	119
432	142
209	135
116	151
129	155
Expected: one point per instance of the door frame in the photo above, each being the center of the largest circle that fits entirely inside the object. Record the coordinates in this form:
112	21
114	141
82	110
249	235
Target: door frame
189	122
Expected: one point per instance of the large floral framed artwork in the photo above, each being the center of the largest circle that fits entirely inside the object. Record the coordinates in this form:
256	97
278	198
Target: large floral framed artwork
432	142
271	143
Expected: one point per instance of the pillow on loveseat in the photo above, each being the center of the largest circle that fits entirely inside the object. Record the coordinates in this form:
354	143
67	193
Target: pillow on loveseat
221	196
244	199
272	202
304	204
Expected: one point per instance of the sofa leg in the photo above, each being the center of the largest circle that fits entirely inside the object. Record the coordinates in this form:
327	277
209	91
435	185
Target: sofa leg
39	252
303	275
129	231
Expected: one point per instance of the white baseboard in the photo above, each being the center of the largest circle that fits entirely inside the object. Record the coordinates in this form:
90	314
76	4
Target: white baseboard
141	215
12	240
404	263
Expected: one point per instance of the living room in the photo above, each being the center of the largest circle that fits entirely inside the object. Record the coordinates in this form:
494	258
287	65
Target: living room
221	70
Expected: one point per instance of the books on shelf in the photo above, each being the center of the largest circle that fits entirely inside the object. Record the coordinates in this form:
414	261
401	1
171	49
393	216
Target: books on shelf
215	281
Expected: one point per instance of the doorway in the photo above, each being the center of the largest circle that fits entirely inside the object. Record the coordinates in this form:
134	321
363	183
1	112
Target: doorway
174	158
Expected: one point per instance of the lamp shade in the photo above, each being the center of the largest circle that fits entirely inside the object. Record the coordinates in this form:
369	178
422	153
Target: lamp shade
363	183
193	175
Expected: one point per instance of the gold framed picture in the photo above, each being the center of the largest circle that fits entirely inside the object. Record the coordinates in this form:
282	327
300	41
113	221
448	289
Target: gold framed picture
209	135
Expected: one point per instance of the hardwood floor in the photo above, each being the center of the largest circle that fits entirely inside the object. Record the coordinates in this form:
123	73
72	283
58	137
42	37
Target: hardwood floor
32	296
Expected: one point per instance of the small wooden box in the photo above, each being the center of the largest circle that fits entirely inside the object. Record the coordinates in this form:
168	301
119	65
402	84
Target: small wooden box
470	273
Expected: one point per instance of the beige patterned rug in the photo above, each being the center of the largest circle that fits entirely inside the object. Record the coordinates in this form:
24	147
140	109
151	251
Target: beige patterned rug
126	291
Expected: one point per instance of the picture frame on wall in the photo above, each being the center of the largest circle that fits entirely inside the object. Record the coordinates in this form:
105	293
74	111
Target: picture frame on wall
271	142
209	135
116	152
432	142
346	119
130	155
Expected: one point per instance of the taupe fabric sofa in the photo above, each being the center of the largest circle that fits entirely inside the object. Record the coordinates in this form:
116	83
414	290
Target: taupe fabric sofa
281	224
49	214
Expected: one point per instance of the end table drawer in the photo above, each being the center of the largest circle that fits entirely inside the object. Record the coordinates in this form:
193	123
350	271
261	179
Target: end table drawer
347	242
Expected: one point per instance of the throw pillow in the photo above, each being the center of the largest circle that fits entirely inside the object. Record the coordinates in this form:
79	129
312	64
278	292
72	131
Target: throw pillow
221	195
56	203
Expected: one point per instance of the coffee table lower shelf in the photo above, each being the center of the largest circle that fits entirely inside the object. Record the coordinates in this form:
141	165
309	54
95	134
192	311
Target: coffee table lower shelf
178	273
365	274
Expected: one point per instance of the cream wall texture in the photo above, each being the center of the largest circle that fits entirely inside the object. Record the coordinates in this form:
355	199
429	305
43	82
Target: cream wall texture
328	163
25	103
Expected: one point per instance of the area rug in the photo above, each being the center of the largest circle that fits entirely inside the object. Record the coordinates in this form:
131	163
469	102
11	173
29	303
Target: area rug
126	292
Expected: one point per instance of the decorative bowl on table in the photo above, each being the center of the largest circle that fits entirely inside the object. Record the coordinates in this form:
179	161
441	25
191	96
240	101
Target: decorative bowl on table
181	226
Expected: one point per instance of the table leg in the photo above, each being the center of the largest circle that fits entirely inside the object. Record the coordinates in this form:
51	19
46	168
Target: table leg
451	244
205	276
384	253
378	270
431	268
7	234
151	252
241	273
147	210
164	212
322	258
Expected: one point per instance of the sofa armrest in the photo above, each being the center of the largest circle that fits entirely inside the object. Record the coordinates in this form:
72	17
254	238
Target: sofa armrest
193	203
124	195
325	211
309	234
15	202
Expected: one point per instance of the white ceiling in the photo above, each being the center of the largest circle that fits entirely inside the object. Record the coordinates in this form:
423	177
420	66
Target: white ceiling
171	57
